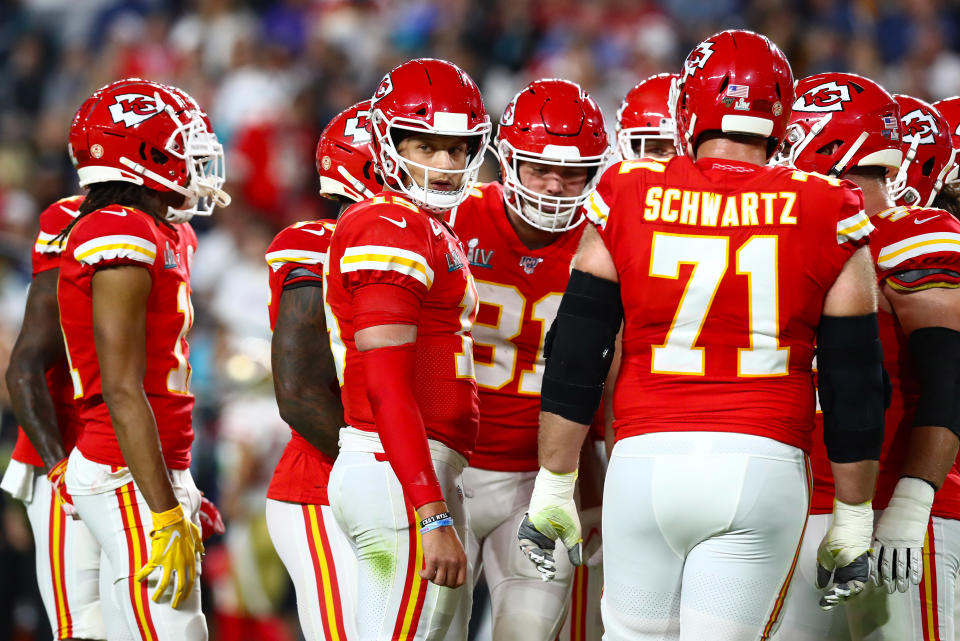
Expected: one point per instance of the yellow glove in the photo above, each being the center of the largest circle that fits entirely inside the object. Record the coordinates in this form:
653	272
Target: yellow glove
176	544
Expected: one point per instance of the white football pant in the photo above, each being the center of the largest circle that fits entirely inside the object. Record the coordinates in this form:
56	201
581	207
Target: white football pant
67	556
112	506
393	602
524	606
321	565
701	531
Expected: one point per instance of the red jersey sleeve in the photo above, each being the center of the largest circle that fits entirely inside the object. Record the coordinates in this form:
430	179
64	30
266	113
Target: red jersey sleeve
112	236
386	244
296	256
917	249
53	220
604	197
853	224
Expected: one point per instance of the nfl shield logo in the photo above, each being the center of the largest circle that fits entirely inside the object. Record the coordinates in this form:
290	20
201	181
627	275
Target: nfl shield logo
529	263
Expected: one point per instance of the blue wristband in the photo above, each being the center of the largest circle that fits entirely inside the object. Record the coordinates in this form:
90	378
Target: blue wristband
439	523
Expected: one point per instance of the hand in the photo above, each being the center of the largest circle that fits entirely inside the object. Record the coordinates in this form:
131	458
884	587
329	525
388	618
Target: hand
444	561
175	548
901	530
844	554
210	521
552	516
63	498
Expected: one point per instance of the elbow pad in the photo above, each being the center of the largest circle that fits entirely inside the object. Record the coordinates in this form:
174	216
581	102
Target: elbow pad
579	347
935	353
852	387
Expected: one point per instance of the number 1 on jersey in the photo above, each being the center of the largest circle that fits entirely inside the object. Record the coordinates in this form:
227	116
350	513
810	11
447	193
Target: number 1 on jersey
757	260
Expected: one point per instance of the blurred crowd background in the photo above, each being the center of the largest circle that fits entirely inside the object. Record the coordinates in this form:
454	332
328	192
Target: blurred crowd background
271	75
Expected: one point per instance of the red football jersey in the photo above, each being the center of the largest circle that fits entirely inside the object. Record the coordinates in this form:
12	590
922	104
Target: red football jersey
723	268
904	239
46	256
302	474
520	291
114	236
389	240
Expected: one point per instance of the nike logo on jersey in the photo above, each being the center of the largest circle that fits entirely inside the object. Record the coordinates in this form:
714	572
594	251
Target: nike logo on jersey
918	221
73	212
114	212
401	223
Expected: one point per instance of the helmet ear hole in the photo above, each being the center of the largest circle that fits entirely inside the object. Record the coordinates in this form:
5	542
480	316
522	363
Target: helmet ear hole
927	167
158	156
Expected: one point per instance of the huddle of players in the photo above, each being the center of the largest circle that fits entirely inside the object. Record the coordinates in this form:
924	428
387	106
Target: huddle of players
371	531
394	262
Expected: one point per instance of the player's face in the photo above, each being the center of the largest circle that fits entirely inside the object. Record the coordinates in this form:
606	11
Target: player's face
656	149
552	180
437	152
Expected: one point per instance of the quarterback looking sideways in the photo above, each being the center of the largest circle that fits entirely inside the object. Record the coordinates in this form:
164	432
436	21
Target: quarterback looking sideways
400	305
520	238
150	159
898	150
308	540
706	496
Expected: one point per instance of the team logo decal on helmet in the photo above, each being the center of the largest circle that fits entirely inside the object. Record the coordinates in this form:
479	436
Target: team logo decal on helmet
344	159
385	87
920	127
133	108
508	113
697	58
828	96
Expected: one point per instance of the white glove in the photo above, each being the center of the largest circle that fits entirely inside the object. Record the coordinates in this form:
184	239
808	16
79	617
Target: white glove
552	515
844	553
901	530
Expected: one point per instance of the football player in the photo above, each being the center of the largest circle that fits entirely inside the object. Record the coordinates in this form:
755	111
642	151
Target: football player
645	127
948	198
150	160
308	540
917	256
38	378
520	238
725	270
401	302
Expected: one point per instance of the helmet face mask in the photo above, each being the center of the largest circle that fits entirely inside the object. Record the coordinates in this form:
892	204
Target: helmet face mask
553	123
644	117
428	96
152	135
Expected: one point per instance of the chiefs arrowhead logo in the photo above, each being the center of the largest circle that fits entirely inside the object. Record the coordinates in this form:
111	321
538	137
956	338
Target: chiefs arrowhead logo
386	86
133	108
509	112
356	128
920	127
697	59
828	96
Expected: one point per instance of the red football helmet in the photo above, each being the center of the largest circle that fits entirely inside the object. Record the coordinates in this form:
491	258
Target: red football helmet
840	121
644	115
550	122
949	108
929	155
737	82
344	160
149	134
435	97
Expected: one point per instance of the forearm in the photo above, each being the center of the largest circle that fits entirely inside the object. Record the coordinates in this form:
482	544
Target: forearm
559	443
854	482
136	431
33	407
932	452
315	416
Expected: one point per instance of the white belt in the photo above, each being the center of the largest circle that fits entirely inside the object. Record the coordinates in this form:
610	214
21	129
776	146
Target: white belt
354	440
